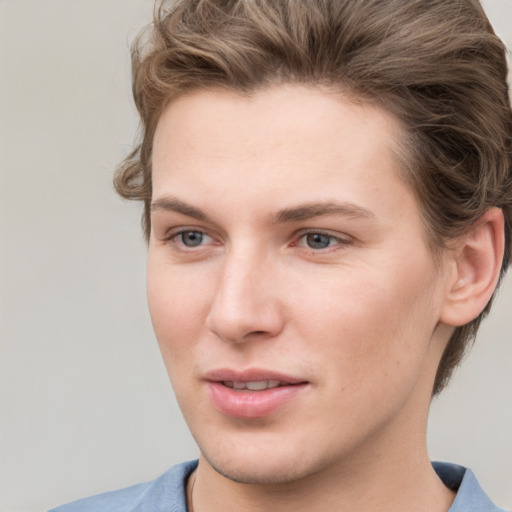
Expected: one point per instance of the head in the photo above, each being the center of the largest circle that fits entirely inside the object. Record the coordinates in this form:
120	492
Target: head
437	67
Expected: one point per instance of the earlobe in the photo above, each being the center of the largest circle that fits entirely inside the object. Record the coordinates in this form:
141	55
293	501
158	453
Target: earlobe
476	269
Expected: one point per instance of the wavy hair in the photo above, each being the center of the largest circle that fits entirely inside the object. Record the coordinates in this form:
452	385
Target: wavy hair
437	65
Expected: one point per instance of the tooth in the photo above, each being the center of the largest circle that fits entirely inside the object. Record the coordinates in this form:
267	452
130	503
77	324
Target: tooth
256	386
259	385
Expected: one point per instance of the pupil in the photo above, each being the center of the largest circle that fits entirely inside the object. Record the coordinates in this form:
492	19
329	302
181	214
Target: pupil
318	241
192	238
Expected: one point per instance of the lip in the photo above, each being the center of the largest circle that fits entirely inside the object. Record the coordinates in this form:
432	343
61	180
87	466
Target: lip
250	374
252	404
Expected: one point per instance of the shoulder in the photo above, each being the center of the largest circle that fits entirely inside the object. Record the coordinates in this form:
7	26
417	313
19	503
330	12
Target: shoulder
470	495
166	493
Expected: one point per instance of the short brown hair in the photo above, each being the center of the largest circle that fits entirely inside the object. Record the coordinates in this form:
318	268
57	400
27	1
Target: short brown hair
436	65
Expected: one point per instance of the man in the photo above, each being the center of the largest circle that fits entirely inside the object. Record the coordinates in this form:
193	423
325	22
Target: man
328	207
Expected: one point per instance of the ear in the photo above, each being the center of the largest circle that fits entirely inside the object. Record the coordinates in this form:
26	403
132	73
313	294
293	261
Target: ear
475	269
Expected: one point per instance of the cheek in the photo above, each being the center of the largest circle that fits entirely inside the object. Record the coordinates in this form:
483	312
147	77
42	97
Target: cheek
372	323
178	306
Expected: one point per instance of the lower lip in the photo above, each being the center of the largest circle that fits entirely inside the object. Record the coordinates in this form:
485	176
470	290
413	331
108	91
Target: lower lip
251	404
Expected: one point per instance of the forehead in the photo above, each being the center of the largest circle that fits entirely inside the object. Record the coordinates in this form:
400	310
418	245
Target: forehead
288	129
243	160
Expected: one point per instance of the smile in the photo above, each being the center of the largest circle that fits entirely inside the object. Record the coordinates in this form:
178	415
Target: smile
252	393
258	385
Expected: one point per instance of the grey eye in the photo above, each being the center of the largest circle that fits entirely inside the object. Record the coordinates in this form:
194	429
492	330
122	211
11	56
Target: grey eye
318	240
191	238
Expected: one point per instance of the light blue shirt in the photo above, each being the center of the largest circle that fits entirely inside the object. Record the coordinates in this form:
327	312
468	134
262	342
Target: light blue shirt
167	493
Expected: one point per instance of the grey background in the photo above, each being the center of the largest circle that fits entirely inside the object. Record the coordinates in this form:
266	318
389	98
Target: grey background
85	404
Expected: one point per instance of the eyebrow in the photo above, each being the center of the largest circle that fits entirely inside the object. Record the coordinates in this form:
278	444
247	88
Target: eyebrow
298	213
311	210
172	204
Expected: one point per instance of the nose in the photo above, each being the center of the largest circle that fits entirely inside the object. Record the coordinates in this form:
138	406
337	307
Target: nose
246	303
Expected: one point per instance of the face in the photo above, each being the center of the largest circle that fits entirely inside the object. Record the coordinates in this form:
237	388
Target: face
291	290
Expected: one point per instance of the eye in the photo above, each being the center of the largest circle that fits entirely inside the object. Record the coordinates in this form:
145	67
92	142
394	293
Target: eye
318	241
190	238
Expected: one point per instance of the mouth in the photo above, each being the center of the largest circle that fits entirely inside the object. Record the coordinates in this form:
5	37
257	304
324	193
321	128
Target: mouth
254	393
255	385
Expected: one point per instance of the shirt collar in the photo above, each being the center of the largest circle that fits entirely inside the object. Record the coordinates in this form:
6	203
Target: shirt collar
470	496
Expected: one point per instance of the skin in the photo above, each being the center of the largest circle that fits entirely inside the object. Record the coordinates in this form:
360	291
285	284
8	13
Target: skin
360	320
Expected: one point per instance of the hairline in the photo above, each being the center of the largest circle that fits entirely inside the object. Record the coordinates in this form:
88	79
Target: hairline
399	147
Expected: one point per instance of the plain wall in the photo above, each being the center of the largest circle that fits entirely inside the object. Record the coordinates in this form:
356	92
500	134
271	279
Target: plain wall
85	403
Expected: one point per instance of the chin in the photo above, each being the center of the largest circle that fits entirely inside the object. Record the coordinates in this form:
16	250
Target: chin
274	474
270	466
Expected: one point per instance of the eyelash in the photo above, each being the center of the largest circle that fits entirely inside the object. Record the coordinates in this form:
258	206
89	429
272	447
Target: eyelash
337	242
173	237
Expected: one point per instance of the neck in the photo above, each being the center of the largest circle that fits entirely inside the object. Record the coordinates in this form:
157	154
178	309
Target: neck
387	485
389	472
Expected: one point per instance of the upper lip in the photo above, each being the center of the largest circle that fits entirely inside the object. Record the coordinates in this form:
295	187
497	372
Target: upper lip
250	375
